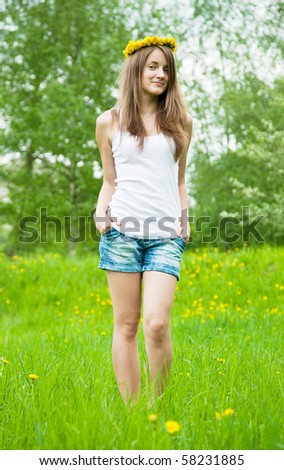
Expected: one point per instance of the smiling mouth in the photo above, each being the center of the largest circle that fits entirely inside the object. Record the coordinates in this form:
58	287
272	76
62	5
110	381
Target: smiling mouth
158	83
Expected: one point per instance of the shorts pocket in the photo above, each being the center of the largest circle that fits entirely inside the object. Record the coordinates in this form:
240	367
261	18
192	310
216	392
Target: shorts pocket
180	241
111	233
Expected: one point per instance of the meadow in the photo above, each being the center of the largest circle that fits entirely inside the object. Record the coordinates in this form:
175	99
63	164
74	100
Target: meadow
58	389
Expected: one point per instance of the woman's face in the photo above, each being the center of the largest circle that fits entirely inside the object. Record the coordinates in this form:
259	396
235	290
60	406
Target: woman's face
155	74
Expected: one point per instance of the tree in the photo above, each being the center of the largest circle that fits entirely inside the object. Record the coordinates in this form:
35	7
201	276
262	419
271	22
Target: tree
57	75
232	53
251	175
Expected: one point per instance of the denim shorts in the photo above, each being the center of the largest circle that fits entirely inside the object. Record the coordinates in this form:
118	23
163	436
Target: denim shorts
122	253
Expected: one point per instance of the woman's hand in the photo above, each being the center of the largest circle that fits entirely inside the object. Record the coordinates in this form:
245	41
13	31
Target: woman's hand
103	224
185	232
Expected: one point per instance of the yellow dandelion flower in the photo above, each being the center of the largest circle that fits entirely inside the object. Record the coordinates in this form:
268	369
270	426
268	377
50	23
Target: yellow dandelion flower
155	39
218	415
58	302
134	46
33	376
230	283
8	301
172	427
221	359
228	412
5	361
153	418
274	310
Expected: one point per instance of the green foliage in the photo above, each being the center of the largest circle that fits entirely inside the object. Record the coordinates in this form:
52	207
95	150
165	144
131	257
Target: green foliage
57	77
59	66
227	332
251	175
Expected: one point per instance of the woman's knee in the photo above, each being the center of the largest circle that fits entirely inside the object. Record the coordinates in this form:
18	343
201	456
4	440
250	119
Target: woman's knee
156	329
127	329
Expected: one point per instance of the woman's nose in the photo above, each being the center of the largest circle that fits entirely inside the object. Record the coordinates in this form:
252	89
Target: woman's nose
160	72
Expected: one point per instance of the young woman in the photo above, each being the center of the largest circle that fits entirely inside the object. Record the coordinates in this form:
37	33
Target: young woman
142	209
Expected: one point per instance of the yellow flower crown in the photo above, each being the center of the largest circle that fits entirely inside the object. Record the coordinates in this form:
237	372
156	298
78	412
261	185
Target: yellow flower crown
134	46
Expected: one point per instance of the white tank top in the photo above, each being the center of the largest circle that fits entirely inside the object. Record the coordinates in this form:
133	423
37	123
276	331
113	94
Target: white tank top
146	201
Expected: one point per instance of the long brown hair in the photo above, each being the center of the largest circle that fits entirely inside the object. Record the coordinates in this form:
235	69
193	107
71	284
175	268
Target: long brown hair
171	114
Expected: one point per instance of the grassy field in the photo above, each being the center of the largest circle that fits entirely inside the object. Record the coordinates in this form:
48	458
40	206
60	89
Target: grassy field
226	388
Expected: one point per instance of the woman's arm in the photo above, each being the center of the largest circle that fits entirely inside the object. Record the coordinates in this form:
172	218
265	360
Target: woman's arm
182	186
104	130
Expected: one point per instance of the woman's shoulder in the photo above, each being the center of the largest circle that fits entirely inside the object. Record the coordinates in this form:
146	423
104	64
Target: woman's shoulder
106	118
106	123
188	119
187	124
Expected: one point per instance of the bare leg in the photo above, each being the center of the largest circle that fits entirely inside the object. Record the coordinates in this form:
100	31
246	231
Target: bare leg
159	289
125	291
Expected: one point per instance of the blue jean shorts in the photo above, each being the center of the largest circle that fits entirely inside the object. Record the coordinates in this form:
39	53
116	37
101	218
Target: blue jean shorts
122	253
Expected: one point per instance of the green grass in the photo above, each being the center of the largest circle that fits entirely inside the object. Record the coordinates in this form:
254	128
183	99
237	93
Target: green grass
227	332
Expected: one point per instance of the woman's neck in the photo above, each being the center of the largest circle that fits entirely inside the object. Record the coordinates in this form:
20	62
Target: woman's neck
149	106
148	116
